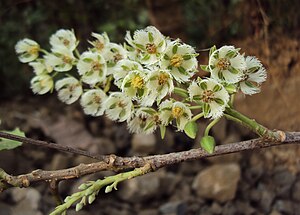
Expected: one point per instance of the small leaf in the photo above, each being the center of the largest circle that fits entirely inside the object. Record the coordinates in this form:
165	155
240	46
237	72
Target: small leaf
217	88
187	57
87	60
208	144
219	101
11	144
166	57
203	85
191	129
162	131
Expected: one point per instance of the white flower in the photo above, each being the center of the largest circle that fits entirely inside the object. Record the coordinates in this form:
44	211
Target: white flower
64	38
69	89
91	101
112	55
92	67
254	75
144	120
122	69
212	95
174	110
28	50
160	84
39	67
41	84
150	44
226	64
181	60
100	43
118	107
61	59
134	85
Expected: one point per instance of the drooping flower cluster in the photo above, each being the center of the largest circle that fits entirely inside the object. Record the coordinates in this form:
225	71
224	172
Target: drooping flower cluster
146	71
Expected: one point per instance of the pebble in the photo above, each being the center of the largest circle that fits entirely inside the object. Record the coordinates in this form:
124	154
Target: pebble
218	182
5	209
284	206
296	191
143	143
143	188
173	208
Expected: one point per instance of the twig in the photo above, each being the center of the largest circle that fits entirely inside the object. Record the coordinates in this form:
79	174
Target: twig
116	163
52	146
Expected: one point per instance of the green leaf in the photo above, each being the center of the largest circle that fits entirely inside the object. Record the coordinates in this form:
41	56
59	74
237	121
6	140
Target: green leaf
162	131
203	85
191	129
208	144
11	144
204	68
233	70
182	70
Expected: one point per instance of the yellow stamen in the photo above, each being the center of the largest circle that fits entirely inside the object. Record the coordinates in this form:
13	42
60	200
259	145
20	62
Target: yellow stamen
162	79
67	59
223	64
96	66
117	58
137	82
34	50
177	112
98	45
207	96
97	99
176	60
151	48
66	42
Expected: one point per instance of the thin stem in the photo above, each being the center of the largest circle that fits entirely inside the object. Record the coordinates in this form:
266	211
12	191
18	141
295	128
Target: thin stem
50	145
198	116
254	126
231	102
210	125
196	107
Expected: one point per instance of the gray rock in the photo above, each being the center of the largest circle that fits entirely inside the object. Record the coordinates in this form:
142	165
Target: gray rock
148	212
173	208
144	187
283	180
267	197
143	143
296	191
216	208
284	206
27	201
218	182
5	209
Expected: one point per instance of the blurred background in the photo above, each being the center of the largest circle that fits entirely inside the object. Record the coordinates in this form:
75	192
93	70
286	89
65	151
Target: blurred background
257	182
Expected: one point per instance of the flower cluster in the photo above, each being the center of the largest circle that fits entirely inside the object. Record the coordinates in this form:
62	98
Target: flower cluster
145	72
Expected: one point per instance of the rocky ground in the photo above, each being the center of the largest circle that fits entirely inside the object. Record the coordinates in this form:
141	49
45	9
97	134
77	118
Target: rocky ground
256	182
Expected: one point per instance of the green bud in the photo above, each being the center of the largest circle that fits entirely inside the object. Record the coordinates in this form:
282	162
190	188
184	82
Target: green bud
231	88
79	206
108	189
91	198
208	144
191	129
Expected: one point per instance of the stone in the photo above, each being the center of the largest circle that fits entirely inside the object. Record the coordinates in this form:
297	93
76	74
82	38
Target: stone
143	143
283	180
218	182
267	198
284	206
296	191
27	201
148	212
60	161
173	208
145	187
5	209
